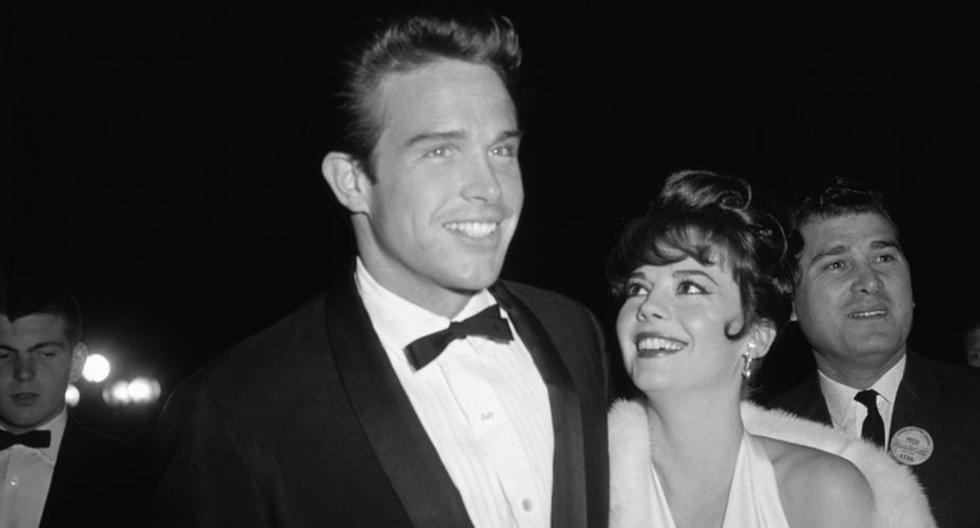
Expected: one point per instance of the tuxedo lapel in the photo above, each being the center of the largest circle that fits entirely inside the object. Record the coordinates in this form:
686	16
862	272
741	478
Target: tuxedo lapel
568	504
65	485
396	435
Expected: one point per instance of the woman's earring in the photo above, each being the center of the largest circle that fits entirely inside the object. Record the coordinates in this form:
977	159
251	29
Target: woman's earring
747	363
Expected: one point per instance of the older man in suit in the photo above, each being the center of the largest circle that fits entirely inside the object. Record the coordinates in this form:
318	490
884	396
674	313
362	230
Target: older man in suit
55	472
419	390
853	301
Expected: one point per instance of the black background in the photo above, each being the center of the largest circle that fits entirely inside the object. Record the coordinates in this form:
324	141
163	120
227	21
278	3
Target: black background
163	158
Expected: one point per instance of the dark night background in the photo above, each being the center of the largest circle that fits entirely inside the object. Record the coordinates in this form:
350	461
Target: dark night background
164	158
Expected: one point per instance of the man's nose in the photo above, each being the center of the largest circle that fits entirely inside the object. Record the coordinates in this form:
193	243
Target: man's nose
867	281
24	369
482	181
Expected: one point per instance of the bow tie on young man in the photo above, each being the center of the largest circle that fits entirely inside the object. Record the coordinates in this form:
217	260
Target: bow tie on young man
487	323
36	439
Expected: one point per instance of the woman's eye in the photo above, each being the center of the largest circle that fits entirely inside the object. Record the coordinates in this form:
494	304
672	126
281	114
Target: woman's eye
633	289
690	288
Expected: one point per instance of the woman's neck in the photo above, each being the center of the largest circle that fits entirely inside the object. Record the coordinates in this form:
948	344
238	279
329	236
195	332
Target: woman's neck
695	439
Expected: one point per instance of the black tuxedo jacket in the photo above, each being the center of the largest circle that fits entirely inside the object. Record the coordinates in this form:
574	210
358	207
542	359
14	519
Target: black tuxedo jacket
97	481
942	399
306	424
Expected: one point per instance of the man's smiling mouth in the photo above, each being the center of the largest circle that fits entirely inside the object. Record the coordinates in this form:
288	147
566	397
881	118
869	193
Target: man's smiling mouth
474	229
869	313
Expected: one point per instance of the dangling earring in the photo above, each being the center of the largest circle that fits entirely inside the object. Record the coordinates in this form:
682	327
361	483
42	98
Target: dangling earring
747	363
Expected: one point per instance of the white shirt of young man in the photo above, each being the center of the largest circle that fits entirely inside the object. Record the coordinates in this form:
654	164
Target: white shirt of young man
26	473
848	414
483	405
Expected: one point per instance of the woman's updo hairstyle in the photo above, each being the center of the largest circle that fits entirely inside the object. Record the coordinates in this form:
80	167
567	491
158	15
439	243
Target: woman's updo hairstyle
709	217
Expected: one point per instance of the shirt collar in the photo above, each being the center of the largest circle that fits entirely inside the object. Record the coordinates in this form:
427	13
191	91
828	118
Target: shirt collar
57	427
840	397
401	321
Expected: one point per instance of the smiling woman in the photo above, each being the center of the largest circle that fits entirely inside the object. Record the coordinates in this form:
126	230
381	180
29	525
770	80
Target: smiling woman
704	290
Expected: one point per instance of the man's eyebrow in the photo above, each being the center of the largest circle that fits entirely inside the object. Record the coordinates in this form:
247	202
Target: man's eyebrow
449	135
886	243
457	135
689	272
833	251
42	344
509	134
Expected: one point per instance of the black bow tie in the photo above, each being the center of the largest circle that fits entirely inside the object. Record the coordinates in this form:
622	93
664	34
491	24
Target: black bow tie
487	323
29	439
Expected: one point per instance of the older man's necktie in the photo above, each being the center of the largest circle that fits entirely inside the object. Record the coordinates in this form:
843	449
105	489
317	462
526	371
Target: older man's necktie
487	323
874	427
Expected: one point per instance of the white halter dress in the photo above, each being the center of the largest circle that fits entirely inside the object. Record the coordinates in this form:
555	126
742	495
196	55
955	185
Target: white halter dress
753	501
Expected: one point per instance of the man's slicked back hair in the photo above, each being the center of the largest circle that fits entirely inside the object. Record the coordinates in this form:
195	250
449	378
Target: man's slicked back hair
405	44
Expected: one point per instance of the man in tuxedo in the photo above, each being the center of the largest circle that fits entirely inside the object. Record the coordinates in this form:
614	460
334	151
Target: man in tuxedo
853	301
55	472
419	390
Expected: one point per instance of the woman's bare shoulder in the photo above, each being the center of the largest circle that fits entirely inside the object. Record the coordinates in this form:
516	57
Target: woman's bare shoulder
818	488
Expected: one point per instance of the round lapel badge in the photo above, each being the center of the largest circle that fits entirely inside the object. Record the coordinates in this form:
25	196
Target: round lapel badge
911	445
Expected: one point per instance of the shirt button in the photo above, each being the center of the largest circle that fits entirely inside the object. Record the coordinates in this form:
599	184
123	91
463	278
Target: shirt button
486	417
527	505
14	481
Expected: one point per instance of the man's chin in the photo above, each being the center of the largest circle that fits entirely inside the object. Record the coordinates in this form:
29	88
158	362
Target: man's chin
475	278
468	288
22	423
877	348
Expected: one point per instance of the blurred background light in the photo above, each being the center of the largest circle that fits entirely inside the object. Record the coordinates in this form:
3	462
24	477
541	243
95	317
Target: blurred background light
72	396
96	368
143	390
138	391
117	393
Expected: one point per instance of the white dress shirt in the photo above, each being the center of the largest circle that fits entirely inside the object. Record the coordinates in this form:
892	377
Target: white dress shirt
483	405
848	414
26	473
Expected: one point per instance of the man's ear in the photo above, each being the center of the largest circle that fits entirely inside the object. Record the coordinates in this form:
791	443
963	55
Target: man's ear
79	353
760	338
347	180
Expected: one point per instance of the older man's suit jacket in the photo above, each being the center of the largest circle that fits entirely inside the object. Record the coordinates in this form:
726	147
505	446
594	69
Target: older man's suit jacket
306	424
97	481
943	400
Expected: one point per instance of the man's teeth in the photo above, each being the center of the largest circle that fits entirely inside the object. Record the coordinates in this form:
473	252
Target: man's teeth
473	229
658	343
867	313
